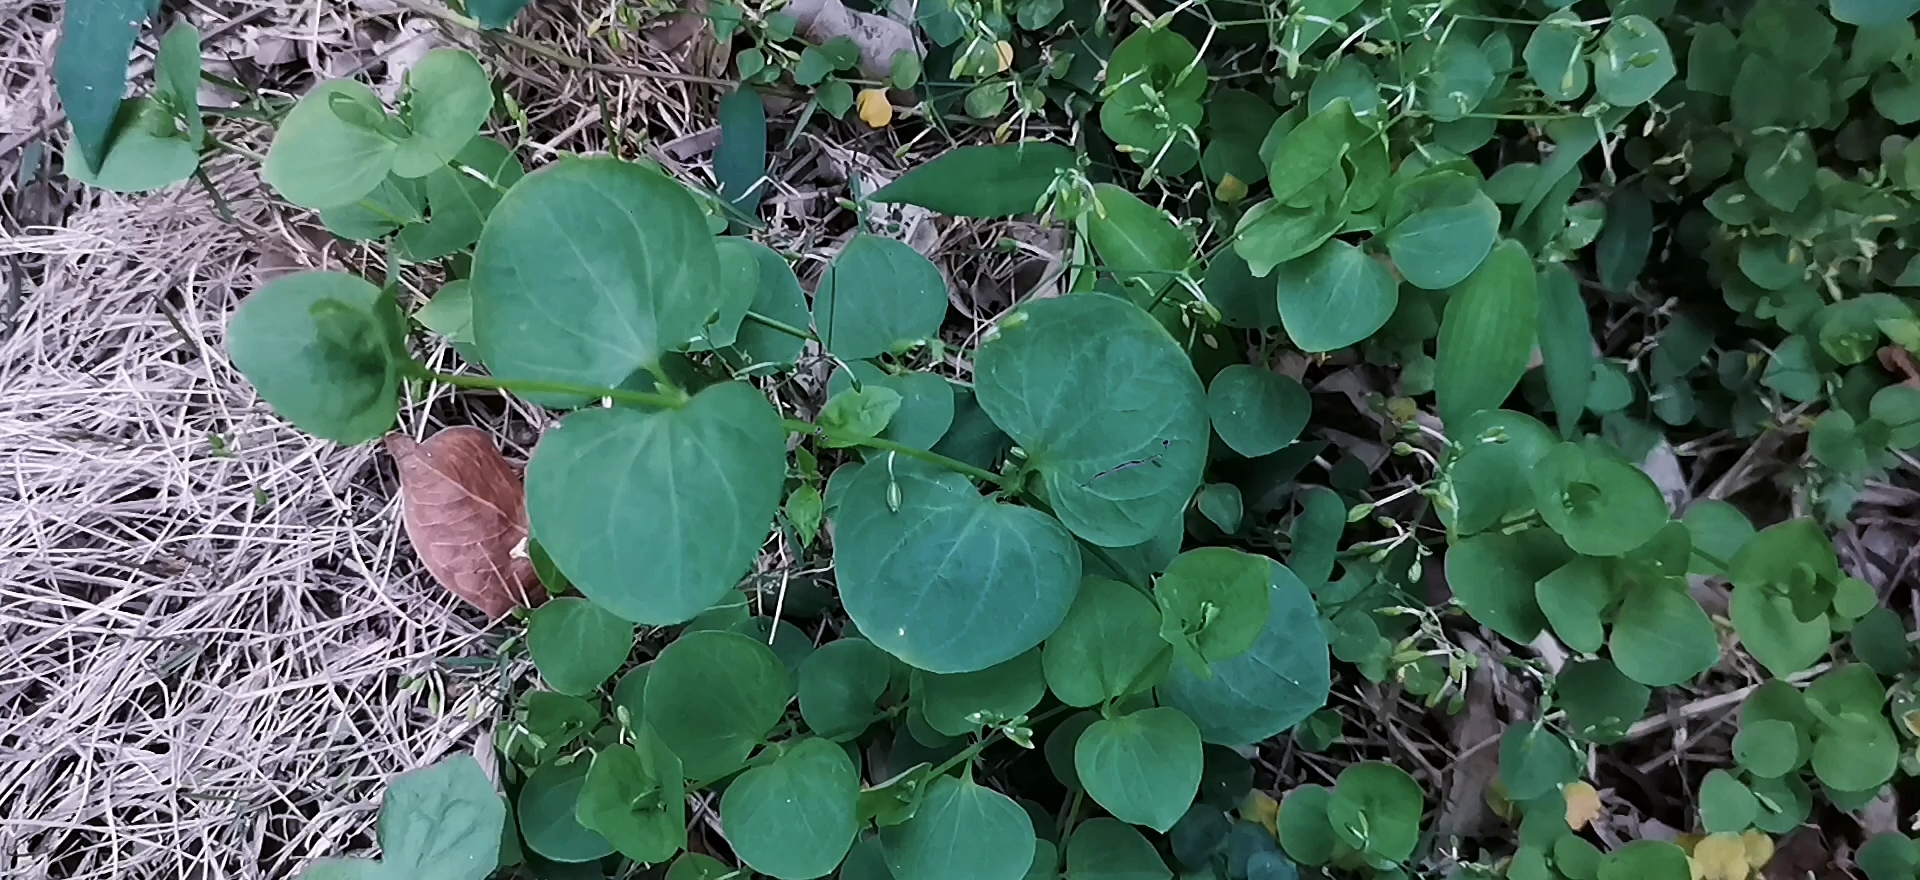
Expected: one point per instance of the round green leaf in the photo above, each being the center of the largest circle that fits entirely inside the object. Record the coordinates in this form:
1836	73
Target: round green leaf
1305	832
1336	296
947	580
1646	860
319	158
1257	411
1457	78
1774	635
926	401
546	814
1888	855
1600	504
146	152
685	496
1601	703
442	820
713	696
1575	858
759	349
1726	806
1880	640
1784	803
1573	596
867	861
1553	56
1859	754
1769	748
1492	576
1874	13
1661	636
1718	530
1213	603
1222	505
841	684
960	703
576	644
1271	233
1534	761
1440	245
448	98
1244	301
1375	808
961	832
878	296
1109	849
699	866
1270	687
323	348
1144	768
1108	646
634	796
588	270
795	818
1485	470
1632	63
1107	407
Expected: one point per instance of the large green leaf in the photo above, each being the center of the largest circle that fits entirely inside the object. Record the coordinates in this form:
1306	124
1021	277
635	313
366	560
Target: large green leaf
1376	809
794	818
90	68
713	696
1632	62
1137	243
1661	637
442	822
546	810
634	796
1311	149
877	296
1442	244
841	684
146	152
962	831
1143	767
1485	471
320	157
1002	180
1107	647
1107	407
1213	603
685	496
588	270
448	98
1566	345
1109	849
1256	411
576	644
1492	575
1335	296
1281	679
945	579
325	350
1487	334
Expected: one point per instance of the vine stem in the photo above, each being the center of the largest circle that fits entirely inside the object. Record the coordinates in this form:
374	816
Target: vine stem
664	401
974	750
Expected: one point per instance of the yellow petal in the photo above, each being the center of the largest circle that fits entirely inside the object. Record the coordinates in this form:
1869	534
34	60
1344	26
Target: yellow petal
1721	857
1583	804
1004	49
1759	848
1231	189
1261	809
875	110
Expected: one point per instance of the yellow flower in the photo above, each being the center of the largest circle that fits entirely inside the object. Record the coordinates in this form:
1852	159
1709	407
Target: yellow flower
875	110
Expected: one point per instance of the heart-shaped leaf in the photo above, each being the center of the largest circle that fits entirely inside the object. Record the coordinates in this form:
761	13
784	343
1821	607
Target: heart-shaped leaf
962	831
634	796
713	696
577	645
1335	296
877	296
1108	646
1281	679
794	818
1142	767
325	349
330	149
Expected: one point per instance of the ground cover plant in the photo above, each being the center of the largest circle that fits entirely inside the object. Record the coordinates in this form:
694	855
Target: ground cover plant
1074	585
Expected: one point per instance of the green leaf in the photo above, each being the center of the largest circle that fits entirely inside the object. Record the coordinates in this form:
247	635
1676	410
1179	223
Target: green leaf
759	349
1768	748
1022	173
1718	530
1553	56
324	349
1440	245
1780	169
1770	631
878	296
961	832
448	99
1633	62
1573	599
1138	244
841	684
1237	121
319	157
713	696
459	205
1600	702
1713	60
1600	504
1488	457
1874	13
945	579
1213	603
1888	855
1144	767
1281	679
496	14
1108	646
1109	849
1376	809
1335	296
1304	830
1625	240
1566	344
963	702
697	866
1646	860
1316	535
1535	761
1791	372
857	414
1271	233
1457	78
442	822
740	161
1726	806
1784	803
634	796
593	299
1792	558
1880	640
1107	407
1492	576
576	644
146	152
1257	411
1898	407
1222	505
1310	150
90	68
546	810
1661	636
687	495
397	203
794	818
1244	301
926	401
1487	334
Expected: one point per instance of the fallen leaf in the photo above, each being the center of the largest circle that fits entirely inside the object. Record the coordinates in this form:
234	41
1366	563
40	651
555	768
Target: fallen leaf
1759	848
875	110
465	514
1231	189
1583	804
1004	50
1261	809
1720	857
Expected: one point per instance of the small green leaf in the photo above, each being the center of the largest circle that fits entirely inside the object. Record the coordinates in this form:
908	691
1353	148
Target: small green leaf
1488	458
546	810
1022	174
858	414
146	153
1108	646
1784	803
1109	849
325	350
1566	347
1726	806
1774	635
576	644
459	204
1661	637
1553	56
1316	535
1768	748
878	296
1440	245
1335	296
634	797
1376	809
1599	503
1534	761
713	696
1646	860
1213	603
926	401
1257	411
961	703
962	831
1880	640
1780	169
794	818
1600	702
1144	767
1138	244
841	684
1222	505
1271	233
1457	78
496	14
1305	832
1573	598
740	161
1632	63
1281	679
447	101
1487	334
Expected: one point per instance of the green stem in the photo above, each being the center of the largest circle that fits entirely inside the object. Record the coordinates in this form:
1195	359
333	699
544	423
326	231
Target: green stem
780	326
973	751
531	386
933	458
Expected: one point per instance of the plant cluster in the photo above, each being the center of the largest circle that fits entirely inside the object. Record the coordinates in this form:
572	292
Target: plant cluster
1074	548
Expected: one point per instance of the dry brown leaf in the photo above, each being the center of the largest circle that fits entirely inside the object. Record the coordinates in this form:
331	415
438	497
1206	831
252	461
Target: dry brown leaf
1261	809
465	513
1583	804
